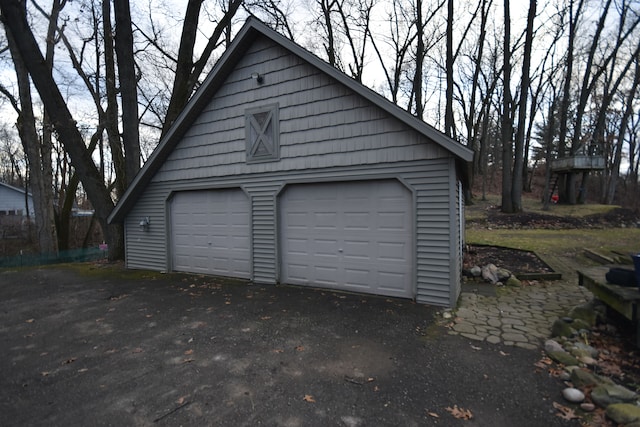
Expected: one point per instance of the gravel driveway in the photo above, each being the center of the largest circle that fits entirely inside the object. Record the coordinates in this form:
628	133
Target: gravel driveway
94	344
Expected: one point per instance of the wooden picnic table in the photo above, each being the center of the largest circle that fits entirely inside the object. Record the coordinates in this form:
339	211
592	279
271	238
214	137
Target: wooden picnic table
623	299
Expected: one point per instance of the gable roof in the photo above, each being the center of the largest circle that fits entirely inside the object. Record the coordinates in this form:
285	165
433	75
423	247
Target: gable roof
11	187
253	29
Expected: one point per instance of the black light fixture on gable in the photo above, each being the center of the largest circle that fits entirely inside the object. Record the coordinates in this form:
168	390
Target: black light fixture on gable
144	223
257	77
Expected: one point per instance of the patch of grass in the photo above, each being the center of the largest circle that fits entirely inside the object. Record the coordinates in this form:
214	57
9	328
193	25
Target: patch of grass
562	249
559	241
110	270
477	211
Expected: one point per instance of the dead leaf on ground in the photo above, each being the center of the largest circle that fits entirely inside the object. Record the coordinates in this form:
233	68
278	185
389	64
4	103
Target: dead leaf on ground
181	400
83	370
68	361
476	348
433	414
265	318
309	398
502	353
188	352
564	412
459	413
137	350
44	373
300	348
188	360
277	350
30	320
543	363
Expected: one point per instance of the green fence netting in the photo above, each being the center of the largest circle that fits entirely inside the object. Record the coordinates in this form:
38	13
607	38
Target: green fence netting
73	255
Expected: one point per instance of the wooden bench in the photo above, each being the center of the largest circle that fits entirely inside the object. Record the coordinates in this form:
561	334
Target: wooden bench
623	299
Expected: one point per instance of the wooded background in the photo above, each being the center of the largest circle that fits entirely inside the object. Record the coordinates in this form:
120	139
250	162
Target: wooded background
88	87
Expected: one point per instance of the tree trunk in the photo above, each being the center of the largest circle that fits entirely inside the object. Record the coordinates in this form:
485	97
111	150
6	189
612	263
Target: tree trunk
39	158
518	167
417	80
15	21
128	89
507	121
111	113
448	113
628	111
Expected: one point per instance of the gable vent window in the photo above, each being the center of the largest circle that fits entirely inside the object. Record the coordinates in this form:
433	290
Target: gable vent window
262	133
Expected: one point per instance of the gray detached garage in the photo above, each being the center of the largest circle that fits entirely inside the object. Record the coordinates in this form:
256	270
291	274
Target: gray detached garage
281	169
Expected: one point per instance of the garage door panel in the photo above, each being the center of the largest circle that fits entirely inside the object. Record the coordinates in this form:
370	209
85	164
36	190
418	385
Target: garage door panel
366	243
210	232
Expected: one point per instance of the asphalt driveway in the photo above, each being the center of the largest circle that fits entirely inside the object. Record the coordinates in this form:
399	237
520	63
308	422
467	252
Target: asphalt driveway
99	345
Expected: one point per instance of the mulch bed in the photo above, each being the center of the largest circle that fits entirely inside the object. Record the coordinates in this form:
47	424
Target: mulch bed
614	218
517	261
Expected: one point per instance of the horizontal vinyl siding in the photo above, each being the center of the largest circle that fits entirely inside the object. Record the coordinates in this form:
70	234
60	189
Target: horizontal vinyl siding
433	252
147	249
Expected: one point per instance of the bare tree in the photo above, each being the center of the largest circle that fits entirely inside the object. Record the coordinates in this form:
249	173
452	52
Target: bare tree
128	89
507	119
518	164
622	131
38	151
188	71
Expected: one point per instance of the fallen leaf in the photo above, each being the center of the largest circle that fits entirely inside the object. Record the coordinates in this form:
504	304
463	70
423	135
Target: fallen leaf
265	318
433	414
30	320
83	370
189	360
44	373
502	353
181	400
564	412
277	350
459	413
300	348
309	398
137	350
188	352
71	360
370	379
376	388
476	348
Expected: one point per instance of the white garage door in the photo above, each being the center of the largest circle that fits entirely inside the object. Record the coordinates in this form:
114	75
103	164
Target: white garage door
355	236
210	232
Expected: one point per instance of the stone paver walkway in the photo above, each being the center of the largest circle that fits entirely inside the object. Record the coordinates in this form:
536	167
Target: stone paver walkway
520	317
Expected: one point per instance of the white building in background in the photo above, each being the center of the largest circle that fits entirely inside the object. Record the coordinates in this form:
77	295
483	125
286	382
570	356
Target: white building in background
14	201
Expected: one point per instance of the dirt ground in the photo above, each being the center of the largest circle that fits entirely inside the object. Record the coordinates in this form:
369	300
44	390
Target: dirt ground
100	345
